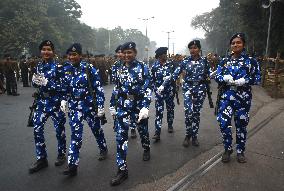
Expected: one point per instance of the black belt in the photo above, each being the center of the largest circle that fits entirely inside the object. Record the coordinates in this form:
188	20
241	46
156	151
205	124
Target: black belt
237	88
76	98
195	83
130	96
47	94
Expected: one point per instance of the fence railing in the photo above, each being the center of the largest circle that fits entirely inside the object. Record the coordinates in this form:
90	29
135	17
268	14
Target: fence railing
273	75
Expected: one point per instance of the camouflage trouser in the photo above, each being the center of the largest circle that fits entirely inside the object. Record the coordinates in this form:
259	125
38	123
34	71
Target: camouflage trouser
121	129
132	121
39	119
76	122
239	108
192	105
159	105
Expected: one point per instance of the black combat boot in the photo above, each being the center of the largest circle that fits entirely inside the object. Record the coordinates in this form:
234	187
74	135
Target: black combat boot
38	165
241	158
156	137
186	141
61	158
133	134
226	157
103	155
146	155
170	129
70	171
195	141
119	178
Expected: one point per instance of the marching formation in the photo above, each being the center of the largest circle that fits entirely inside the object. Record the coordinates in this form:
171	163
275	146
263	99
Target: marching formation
74	89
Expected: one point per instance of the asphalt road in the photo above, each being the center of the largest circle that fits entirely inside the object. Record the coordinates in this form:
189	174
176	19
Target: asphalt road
17	149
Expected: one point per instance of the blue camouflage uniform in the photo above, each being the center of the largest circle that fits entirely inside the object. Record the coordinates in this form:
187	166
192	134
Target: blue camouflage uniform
82	107
115	73
235	101
116	66
194	91
134	92
158	73
48	105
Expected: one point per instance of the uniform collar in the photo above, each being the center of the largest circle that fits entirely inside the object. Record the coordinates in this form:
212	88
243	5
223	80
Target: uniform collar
133	63
191	58
242	56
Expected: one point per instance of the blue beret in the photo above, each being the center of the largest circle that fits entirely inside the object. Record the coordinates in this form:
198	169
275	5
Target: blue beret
194	42
160	51
128	45
118	48
46	43
76	47
238	35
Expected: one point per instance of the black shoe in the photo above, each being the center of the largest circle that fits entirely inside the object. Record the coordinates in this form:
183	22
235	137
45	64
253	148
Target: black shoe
15	94
146	155
186	141
226	157
103	155
70	171
119	178
60	160
156	137
241	158
195	142
133	133
170	130
38	165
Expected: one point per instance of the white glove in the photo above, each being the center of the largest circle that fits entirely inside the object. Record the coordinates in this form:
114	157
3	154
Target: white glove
112	111
143	114
36	79
101	112
44	81
63	106
160	90
166	78
229	79
39	79
213	74
240	82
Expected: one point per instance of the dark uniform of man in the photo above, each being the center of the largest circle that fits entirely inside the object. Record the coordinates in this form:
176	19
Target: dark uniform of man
32	62
24	71
2	89
11	83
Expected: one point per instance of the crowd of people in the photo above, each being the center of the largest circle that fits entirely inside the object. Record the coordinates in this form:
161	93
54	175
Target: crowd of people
73	87
13	70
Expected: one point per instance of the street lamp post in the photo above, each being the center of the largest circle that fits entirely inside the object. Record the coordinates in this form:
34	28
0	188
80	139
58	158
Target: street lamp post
108	30
146	47
109	41
169	40
267	4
